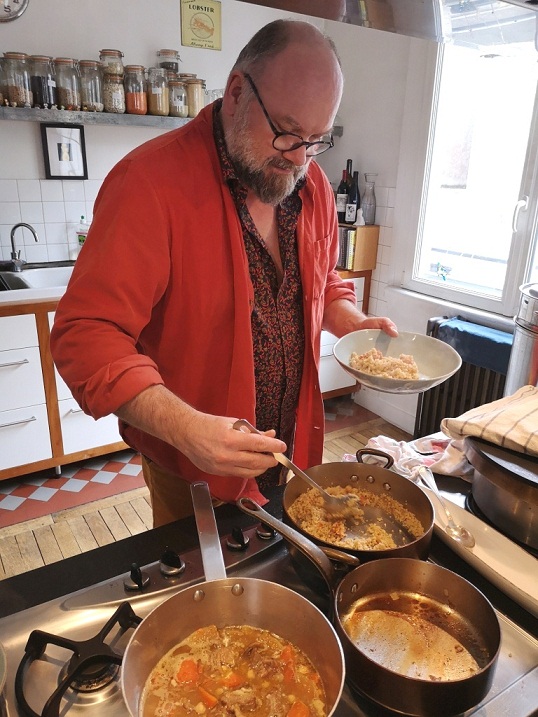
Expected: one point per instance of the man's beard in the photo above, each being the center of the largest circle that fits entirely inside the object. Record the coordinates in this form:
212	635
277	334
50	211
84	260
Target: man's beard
269	187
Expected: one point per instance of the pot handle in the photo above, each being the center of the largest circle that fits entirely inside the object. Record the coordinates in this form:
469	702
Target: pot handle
375	452
309	549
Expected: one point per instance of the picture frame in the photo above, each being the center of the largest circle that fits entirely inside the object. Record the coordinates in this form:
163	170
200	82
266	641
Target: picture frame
64	151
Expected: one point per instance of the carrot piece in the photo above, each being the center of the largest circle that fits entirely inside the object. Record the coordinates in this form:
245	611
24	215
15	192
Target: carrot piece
208	699
298	709
188	672
234	679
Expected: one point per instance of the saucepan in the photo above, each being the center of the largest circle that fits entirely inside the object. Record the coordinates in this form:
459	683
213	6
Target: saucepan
377	482
418	639
223	601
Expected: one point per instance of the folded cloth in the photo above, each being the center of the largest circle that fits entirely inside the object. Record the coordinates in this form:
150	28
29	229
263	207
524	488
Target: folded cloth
437	452
510	422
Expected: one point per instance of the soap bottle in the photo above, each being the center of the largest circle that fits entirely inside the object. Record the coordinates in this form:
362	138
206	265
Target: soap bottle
82	231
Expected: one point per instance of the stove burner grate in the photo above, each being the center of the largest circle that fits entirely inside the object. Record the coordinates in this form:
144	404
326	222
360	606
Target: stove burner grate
94	663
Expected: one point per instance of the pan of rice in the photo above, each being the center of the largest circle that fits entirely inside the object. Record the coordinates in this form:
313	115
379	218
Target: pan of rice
404	520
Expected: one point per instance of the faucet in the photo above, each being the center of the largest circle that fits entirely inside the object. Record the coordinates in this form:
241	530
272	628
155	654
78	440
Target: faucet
15	255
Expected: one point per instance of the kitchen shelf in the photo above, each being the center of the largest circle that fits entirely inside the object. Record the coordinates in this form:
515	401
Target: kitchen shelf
26	114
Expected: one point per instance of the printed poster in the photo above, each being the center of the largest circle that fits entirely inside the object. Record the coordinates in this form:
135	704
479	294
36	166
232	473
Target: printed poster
200	24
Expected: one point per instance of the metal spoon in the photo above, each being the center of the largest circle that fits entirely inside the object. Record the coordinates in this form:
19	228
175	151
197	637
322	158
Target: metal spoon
341	506
457	532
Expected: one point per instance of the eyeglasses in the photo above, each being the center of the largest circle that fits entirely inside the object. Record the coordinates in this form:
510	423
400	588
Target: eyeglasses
288	141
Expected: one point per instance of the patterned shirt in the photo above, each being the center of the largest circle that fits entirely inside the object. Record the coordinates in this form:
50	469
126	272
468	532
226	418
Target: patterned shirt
277	318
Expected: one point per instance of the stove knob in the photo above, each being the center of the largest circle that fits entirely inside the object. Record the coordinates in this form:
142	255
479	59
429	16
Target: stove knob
264	532
171	563
137	580
238	540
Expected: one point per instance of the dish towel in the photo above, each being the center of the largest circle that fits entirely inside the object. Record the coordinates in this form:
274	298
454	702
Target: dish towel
510	422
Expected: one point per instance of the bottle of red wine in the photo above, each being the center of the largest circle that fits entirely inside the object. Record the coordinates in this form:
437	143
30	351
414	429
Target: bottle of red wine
341	197
353	200
349	171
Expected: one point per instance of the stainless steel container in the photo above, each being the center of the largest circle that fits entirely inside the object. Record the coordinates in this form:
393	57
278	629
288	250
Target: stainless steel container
523	364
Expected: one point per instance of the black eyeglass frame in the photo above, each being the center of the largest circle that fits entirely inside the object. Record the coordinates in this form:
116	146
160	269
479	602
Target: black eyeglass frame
321	143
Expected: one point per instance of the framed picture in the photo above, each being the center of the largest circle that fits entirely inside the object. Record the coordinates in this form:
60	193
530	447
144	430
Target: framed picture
64	151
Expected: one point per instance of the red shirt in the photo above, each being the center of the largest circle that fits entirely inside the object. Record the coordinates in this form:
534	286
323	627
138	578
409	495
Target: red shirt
161	294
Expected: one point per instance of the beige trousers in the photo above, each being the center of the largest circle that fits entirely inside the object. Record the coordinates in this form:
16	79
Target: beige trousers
170	495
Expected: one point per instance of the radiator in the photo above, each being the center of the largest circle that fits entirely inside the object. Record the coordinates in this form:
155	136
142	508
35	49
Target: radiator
481	378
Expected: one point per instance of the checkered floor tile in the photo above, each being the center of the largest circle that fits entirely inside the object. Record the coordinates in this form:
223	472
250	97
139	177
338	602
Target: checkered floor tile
43	493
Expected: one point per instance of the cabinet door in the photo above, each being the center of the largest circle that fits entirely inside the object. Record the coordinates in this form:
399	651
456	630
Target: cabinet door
24	436
81	432
331	375
21	378
17	332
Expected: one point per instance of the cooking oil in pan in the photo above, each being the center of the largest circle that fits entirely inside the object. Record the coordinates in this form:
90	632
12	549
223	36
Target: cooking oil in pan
415	636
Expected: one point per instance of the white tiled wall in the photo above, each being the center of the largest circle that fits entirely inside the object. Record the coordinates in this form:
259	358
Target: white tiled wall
52	207
381	276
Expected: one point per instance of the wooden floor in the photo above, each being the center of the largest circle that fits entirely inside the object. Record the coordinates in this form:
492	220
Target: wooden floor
29	545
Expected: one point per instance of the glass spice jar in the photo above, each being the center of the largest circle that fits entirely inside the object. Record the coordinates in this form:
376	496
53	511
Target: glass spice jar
169	59
42	81
113	93
135	90
67	84
112	62
158	94
91	86
19	92
3	83
178	99
195	96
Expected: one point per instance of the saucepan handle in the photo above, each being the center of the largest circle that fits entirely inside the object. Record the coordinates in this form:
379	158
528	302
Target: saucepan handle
309	549
375	452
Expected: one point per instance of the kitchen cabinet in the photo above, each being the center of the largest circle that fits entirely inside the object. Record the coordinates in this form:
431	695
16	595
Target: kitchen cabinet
41	426
24	427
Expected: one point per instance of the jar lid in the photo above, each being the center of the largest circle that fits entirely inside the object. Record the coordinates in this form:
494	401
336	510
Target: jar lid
64	61
41	58
186	75
111	53
176	83
134	68
90	63
194	81
157	71
168	53
15	55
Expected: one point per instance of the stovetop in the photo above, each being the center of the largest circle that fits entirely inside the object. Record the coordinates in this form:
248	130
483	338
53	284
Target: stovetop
81	614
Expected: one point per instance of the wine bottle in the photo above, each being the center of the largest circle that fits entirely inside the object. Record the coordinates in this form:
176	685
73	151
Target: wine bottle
349	170
353	200
341	198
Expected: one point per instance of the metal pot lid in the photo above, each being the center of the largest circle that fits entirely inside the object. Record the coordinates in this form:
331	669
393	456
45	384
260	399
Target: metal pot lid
494	461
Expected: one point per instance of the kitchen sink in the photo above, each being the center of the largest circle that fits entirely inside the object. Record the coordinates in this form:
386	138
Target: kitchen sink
37	278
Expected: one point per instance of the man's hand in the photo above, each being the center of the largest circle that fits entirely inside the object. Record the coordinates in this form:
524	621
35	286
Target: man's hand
383	323
210	442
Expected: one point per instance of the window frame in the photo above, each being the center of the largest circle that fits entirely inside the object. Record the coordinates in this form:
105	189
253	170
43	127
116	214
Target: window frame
423	83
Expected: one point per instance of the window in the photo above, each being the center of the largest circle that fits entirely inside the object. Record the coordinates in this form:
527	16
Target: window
476	228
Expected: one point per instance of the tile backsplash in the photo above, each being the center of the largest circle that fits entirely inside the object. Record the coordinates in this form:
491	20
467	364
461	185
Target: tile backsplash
53	208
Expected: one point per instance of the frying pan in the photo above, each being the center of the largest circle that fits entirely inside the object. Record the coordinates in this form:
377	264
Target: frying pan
405	585
376	480
223	601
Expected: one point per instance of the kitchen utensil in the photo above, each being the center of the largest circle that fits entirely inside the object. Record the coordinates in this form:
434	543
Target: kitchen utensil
335	505
224	601
413	587
457	532
377	481
505	488
436	361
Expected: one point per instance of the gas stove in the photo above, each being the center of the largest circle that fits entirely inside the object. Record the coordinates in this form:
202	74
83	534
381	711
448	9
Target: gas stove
64	654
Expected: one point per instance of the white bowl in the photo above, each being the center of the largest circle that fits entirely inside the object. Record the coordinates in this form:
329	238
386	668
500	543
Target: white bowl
436	361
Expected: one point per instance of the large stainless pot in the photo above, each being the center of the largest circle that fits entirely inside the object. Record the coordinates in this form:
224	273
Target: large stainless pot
446	599
505	488
376	480
225	601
